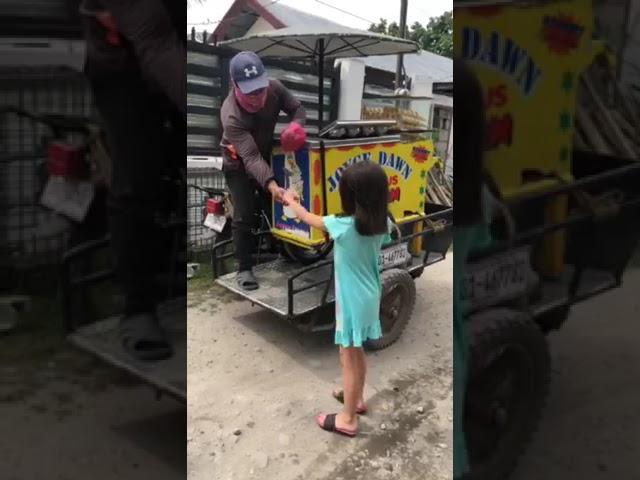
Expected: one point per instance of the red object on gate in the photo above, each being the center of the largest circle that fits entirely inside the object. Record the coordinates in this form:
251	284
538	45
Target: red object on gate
64	160
215	206
112	34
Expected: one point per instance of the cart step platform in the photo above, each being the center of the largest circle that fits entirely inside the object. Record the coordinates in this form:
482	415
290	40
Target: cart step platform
556	293
168	376
274	291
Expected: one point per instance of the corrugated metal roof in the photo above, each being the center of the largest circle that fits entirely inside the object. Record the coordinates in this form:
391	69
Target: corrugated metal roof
35	8
436	67
293	17
39	18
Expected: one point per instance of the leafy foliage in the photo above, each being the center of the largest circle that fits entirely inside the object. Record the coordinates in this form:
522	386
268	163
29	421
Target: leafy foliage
436	36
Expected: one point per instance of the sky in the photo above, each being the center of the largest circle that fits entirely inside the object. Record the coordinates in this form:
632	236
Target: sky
370	11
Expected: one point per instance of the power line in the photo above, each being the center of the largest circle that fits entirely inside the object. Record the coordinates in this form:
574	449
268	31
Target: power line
344	11
234	17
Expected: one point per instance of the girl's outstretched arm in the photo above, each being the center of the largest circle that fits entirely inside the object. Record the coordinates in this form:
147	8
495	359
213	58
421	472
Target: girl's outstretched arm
307	217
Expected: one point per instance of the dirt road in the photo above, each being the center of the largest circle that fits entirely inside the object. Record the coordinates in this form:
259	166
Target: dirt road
67	416
251	374
590	426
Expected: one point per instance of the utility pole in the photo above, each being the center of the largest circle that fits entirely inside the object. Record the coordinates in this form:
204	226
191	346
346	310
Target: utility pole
403	34
626	33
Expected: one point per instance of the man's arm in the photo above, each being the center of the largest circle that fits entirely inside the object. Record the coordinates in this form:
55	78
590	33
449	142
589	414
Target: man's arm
162	56
291	105
247	149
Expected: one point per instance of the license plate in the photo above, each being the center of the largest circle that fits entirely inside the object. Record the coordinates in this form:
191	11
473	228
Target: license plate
67	196
394	257
497	279
215	222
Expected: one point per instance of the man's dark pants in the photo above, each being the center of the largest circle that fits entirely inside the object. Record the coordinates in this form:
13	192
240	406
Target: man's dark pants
247	198
140	145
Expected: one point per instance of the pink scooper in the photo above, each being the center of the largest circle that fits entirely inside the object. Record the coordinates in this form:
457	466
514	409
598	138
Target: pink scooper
293	137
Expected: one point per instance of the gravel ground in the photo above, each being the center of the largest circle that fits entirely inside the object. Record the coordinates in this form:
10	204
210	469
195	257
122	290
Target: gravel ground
591	426
255	384
68	416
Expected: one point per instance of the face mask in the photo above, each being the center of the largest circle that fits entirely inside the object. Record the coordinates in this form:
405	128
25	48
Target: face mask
250	103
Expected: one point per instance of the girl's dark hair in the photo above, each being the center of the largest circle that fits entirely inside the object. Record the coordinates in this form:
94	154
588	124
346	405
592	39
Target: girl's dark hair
364	192
468	143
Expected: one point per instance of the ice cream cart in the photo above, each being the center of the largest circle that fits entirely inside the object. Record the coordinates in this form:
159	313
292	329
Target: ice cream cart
298	293
314	173
569	222
519	56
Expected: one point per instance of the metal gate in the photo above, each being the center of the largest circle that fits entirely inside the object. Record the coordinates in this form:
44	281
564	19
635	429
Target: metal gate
29	233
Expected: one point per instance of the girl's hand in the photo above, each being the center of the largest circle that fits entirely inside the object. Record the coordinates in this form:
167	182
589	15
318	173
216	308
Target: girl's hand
291	197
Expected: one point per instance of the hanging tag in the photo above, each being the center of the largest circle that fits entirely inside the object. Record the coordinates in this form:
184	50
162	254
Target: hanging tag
215	222
68	196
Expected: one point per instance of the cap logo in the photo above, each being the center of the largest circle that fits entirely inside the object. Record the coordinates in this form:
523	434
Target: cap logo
248	71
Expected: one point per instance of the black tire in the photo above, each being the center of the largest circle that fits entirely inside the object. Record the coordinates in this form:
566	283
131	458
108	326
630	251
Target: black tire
304	255
505	345
396	306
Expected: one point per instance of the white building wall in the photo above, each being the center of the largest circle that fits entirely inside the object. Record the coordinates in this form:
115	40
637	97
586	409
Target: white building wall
351	88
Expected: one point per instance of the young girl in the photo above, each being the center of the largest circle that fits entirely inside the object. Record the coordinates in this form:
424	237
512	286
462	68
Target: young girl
358	237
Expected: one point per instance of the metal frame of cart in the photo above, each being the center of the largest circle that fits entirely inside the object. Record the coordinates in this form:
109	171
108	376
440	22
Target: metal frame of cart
508	323
298	293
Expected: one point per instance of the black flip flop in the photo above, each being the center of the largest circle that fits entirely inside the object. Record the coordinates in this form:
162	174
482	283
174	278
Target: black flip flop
329	425
246	280
142	337
339	396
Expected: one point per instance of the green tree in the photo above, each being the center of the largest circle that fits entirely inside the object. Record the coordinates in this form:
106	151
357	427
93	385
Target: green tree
436	36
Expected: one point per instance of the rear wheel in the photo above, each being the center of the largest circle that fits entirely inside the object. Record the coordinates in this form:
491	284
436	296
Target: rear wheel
509	374
306	256
396	306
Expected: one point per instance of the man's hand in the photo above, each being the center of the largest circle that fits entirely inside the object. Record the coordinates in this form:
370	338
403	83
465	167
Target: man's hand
290	197
276	192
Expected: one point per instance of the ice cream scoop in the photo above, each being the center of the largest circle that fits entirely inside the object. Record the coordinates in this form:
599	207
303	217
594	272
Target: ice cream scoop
293	137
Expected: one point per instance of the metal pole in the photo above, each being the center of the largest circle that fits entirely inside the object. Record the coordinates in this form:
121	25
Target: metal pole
403	34
320	82
625	38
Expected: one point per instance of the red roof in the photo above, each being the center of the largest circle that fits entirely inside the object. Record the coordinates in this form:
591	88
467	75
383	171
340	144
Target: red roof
236	9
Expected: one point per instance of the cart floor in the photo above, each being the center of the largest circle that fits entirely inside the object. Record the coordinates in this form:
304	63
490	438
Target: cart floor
556	293
168	376
272	294
273	279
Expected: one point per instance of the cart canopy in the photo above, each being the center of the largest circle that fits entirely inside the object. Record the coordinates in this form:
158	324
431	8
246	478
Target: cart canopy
340	42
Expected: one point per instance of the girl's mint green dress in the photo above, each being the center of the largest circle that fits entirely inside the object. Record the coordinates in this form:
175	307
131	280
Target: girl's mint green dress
465	241
357	282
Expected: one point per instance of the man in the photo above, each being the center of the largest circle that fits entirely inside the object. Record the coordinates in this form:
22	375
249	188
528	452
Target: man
249	116
136	64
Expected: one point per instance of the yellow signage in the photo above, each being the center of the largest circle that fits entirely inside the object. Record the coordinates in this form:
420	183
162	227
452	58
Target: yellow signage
405	163
406	166
528	60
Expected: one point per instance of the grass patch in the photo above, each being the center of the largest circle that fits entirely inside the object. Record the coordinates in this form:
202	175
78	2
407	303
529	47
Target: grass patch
202	280
37	354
